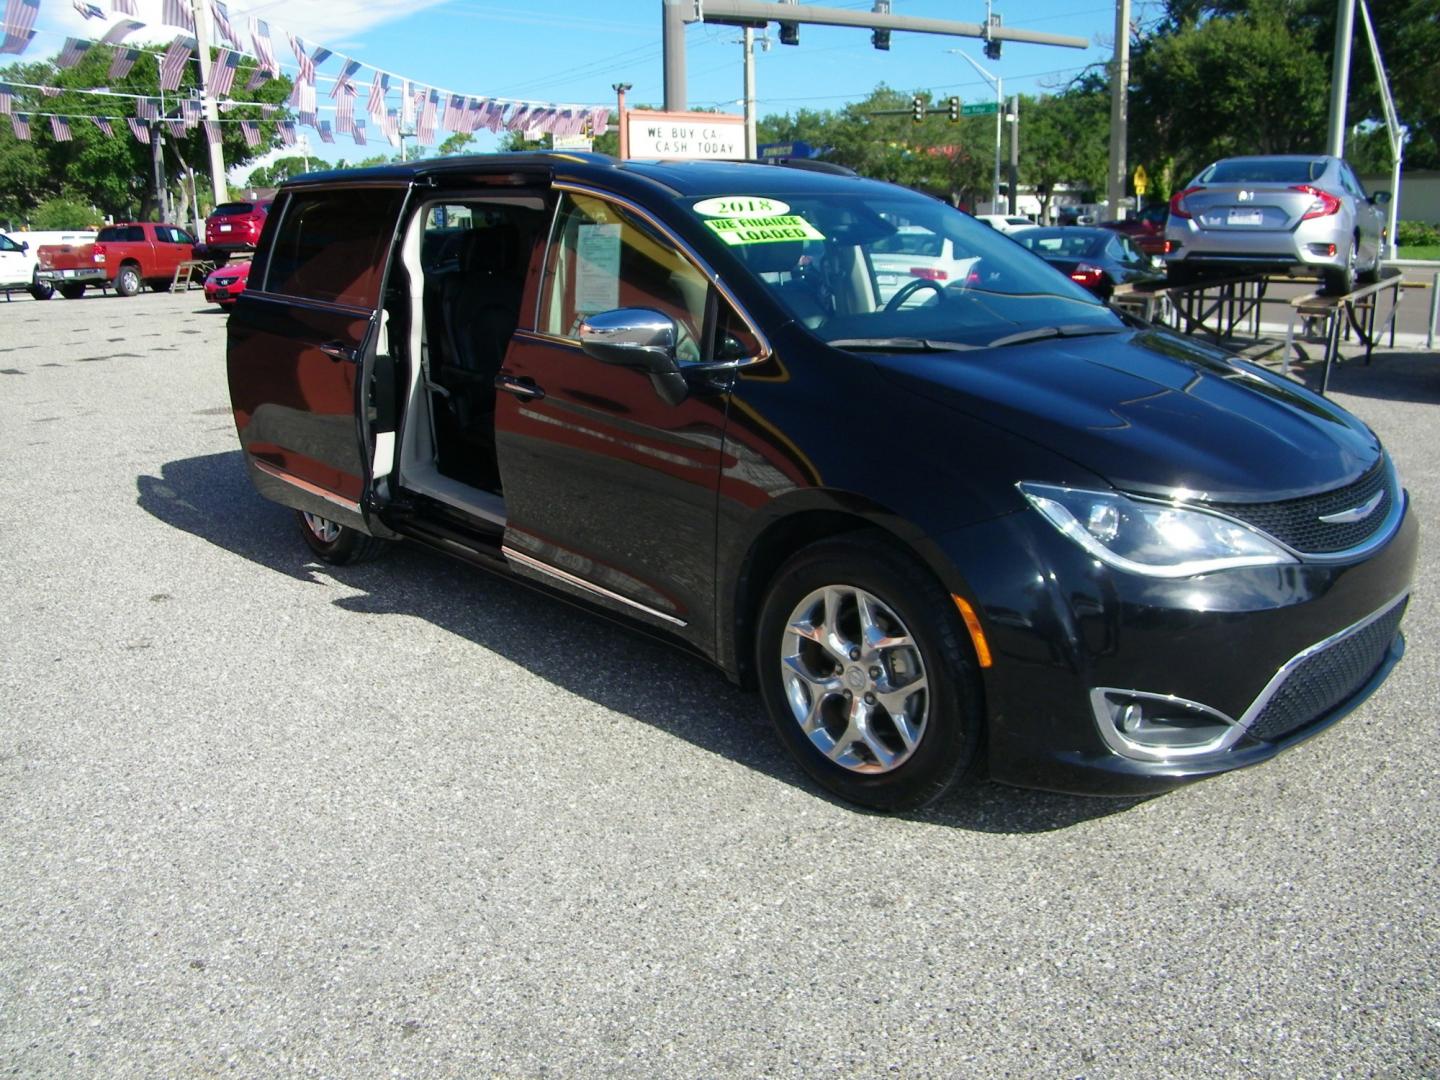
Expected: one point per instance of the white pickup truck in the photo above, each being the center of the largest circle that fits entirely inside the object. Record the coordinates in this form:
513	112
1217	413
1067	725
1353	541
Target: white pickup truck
18	259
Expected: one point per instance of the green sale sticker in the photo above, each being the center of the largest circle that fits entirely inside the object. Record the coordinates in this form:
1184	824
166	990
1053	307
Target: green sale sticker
770	230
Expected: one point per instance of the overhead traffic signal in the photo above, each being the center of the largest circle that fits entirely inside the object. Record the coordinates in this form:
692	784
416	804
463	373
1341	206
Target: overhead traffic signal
789	31
881	38
954	109
917	108
992	45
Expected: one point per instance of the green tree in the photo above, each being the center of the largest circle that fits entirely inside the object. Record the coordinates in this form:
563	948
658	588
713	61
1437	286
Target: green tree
1064	142
61	213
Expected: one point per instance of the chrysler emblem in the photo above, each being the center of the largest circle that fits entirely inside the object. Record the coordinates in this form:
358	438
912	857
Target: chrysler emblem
1357	513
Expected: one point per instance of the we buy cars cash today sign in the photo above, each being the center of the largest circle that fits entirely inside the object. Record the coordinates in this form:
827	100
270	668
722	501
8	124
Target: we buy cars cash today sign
711	136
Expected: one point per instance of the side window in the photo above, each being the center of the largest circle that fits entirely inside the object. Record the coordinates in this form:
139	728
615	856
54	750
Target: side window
604	257
134	234
6	244
331	245
1355	185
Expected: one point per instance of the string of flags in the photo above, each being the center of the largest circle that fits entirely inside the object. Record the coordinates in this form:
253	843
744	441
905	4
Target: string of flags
422	110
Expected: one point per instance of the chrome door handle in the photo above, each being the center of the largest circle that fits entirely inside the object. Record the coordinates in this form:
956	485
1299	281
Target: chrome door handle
523	388
337	350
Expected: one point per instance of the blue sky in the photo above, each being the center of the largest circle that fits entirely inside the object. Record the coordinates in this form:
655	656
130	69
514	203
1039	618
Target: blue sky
571	52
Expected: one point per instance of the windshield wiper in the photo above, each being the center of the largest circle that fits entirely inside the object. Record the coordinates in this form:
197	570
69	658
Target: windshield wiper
901	344
1040	333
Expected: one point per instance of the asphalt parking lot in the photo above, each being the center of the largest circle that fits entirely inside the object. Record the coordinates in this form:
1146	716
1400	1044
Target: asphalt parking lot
263	818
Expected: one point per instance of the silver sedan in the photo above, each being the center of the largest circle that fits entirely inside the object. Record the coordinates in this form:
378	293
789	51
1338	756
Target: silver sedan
1291	214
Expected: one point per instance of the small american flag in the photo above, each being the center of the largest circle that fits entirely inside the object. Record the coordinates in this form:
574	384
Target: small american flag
599	121
50	91
212	132
287	132
258	78
358	133
176	128
178	13
392	127
425	130
326	135
307	65
123	61
21	123
224	26
376	106
172	68
251	131
519	118
19	25
264	51
7	99
454	110
120	31
222	72
147	108
407	105
124	7
345	112
103	123
89	11
190	113
302	100
342	81
60	128
139	129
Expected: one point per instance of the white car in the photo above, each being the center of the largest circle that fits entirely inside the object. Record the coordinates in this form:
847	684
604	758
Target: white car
1005	222
18	257
916	254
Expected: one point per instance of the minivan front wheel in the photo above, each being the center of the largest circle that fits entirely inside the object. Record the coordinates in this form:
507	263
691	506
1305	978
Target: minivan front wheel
868	676
337	544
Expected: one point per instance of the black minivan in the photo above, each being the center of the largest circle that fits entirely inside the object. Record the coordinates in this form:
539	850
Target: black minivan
968	523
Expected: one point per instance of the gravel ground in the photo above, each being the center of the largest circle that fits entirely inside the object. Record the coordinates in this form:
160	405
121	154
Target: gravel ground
262	818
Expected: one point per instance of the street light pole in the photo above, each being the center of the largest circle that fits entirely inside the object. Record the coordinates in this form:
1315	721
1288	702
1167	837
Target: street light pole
999	83
620	89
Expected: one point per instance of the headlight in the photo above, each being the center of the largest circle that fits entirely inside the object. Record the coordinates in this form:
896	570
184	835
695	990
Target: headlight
1156	539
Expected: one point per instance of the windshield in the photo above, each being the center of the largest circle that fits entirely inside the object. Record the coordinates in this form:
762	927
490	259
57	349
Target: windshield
883	265
1263	171
1063	243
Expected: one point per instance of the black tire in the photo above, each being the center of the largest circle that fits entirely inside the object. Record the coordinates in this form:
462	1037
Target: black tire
160	285
945	745
1372	275
339	545
72	291
1341	280
127	281
40	290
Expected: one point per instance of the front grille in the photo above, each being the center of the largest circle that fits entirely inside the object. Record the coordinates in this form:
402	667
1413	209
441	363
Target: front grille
1296	522
1320	682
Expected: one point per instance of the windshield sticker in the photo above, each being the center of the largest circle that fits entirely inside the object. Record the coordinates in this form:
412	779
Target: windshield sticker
770	230
741	206
597	268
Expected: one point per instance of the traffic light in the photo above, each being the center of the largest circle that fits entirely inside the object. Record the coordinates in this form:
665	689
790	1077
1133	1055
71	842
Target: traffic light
992	45
954	109
789	33
917	108
880	38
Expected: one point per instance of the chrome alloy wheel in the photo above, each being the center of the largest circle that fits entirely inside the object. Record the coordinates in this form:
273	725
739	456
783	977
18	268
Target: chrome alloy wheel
855	679
325	530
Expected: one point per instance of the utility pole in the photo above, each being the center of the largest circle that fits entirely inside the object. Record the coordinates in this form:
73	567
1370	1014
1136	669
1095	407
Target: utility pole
157	165
620	89
1014	119
1340	76
1119	90
207	100
748	42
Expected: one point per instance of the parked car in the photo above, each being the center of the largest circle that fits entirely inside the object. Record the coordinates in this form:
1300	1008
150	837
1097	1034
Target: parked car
1095	259
227	282
1005	531
19	258
1146	228
1005	223
122	257
1284	214
1073	215
915	253
234	228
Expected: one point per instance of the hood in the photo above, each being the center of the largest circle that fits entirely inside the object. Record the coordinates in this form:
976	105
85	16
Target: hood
1152	413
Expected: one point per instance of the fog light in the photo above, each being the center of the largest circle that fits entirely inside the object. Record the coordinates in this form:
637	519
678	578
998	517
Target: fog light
1159	727
1325	250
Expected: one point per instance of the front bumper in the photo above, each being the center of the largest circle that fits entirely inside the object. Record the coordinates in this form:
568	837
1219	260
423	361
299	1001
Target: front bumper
1241	644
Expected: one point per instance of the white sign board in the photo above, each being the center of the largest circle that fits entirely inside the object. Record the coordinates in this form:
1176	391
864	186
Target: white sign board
712	136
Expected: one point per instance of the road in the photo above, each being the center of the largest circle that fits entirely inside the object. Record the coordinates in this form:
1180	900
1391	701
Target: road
266	818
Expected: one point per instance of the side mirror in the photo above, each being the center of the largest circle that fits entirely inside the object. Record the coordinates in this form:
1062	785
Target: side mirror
1380	198
24	245
631	337
639	338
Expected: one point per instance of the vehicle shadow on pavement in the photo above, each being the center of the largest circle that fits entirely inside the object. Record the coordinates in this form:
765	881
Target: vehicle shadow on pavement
622	670
1398	375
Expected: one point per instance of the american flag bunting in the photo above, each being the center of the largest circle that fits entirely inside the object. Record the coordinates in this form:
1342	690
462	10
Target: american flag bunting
326	135
19	25
120	31
147	108
222	72
425	130
251	131
7	99
392	127
258	78
264	50
307	65
139	130
178	13
287	132
103	123
176	128
172	68
345	112
122	62
60	128
190	112
358	133
342	81
123	7
212	132
376	105
89	11
20	122
223	25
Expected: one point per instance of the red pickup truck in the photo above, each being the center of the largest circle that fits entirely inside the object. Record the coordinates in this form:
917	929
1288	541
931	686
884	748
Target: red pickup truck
122	257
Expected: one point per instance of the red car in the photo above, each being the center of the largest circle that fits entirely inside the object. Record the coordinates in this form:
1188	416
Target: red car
233	228
226	283
1146	228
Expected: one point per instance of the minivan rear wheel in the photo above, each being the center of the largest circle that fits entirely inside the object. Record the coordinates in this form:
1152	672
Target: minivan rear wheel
337	544
868	675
